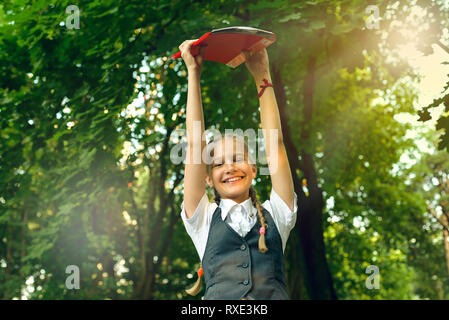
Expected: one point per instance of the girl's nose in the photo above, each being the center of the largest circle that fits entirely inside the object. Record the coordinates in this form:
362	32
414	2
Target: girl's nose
229	167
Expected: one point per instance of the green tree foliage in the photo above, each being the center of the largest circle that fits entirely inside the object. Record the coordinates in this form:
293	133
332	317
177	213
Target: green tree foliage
88	121
434	35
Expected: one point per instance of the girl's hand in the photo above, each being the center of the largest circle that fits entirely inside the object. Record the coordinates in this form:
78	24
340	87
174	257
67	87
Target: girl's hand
257	63
193	64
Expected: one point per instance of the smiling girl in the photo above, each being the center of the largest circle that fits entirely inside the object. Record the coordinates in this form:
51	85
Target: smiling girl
240	241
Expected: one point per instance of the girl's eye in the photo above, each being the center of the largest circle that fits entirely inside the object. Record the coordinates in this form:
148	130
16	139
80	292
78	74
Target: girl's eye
239	159
236	159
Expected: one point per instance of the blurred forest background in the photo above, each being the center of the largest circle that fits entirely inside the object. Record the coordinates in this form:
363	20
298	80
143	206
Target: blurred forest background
86	122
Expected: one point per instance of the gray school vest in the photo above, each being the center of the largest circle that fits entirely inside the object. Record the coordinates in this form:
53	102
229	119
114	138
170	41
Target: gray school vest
234	268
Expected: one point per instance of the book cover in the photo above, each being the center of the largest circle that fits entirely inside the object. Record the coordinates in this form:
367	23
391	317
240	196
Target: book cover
225	45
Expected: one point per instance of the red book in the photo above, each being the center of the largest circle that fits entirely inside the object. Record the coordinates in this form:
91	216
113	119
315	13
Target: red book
226	45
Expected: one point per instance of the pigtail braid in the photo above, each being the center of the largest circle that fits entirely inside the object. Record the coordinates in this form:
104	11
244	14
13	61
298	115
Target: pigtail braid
193	291
262	245
217	197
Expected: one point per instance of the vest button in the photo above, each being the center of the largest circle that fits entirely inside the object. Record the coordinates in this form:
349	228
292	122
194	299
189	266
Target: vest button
245	265
242	247
245	282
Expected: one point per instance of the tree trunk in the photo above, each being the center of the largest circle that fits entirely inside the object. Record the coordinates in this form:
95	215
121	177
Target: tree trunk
311	263
310	228
446	241
156	238
295	271
439	289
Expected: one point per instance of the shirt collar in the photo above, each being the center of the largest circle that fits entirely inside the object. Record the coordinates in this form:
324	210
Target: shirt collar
226	205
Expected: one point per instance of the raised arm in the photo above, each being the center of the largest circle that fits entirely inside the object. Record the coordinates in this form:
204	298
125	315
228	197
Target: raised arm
195	169
281	178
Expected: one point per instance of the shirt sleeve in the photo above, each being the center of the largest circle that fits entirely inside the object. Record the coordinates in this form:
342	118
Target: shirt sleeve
197	226
284	218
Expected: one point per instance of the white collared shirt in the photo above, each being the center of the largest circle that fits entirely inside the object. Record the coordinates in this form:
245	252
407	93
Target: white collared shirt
241	217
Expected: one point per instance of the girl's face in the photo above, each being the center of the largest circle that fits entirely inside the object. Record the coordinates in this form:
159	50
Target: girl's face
231	174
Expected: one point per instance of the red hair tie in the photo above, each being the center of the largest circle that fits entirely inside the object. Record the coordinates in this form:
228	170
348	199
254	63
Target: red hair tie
266	84
262	230
200	272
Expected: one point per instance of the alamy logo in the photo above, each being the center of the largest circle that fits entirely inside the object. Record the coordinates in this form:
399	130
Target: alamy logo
373	20
372	282
73	20
179	151
72	281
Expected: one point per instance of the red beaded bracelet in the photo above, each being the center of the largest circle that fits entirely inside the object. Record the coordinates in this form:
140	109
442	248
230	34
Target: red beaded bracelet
263	86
